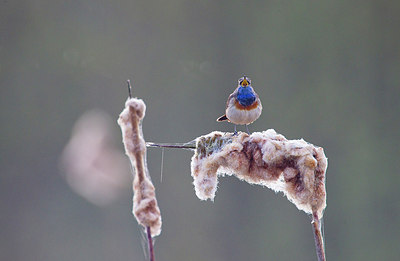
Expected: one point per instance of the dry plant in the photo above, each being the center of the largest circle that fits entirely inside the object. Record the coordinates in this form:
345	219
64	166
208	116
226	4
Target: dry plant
145	207
294	167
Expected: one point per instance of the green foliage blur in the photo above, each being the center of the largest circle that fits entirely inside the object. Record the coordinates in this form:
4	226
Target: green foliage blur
326	71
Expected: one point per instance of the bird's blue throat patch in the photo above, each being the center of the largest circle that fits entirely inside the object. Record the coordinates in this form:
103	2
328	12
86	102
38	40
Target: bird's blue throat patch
246	96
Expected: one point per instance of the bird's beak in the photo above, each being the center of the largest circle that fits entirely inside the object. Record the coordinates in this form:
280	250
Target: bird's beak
244	83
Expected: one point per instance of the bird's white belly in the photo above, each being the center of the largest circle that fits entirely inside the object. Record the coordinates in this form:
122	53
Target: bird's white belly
243	117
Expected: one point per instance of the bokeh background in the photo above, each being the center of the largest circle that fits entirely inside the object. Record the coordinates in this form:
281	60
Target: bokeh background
326	71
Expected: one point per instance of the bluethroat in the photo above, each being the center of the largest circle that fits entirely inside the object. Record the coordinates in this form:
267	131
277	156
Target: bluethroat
243	106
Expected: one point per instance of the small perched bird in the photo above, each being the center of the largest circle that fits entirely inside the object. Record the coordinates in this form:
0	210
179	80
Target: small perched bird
243	105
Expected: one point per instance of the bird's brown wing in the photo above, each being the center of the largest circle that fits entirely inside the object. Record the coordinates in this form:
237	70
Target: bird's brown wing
232	96
258	100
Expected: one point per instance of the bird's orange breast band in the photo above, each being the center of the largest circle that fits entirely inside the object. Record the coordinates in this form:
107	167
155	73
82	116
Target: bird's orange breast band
246	108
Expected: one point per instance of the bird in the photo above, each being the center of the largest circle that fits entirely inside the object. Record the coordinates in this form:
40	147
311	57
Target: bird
243	106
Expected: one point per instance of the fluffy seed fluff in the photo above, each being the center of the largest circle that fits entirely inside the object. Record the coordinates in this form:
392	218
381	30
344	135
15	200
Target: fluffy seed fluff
145	207
294	167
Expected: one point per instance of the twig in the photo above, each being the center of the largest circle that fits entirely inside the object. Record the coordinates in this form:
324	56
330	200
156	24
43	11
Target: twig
189	145
150	242
319	241
129	88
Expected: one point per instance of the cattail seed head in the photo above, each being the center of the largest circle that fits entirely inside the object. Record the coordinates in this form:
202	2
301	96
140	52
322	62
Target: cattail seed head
145	207
294	167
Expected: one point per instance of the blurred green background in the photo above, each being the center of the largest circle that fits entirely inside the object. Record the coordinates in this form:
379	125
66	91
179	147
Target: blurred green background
326	71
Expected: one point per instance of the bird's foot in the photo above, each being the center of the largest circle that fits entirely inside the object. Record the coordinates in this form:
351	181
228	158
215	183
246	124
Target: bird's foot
247	129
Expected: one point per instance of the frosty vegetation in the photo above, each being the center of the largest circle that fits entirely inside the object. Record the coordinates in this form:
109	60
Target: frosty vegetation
295	167
145	207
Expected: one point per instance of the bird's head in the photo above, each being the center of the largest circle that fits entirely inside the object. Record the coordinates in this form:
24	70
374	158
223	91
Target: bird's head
244	81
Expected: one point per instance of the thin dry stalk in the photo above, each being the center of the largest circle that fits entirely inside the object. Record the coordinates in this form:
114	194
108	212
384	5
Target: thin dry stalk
318	239
150	242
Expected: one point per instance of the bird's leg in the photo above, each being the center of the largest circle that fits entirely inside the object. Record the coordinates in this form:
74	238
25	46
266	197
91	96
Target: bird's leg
235	133
247	128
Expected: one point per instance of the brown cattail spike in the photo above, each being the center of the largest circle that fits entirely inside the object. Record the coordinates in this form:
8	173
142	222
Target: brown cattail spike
295	167
145	207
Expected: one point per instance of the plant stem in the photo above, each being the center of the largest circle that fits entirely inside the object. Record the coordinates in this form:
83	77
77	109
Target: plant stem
188	145
150	242
129	88
319	241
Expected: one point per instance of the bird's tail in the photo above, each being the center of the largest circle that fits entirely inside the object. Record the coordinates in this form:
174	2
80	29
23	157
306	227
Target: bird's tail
222	118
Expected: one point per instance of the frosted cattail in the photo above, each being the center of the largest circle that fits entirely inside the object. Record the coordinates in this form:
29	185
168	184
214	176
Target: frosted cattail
145	207
295	167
